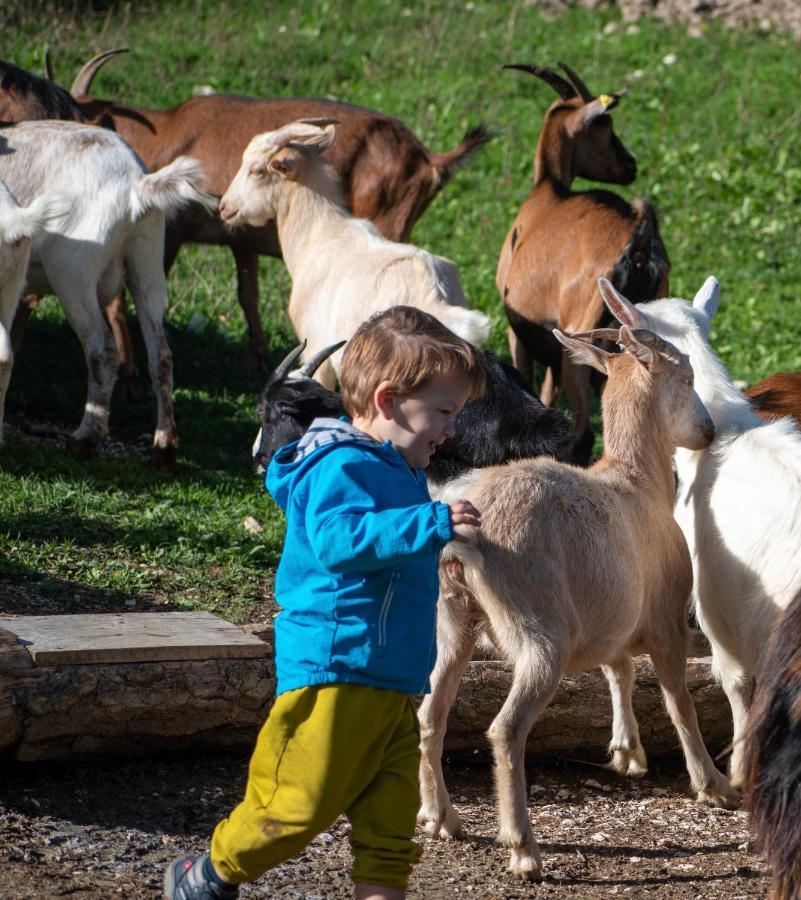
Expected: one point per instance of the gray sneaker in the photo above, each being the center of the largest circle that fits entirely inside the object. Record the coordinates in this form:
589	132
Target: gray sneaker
184	880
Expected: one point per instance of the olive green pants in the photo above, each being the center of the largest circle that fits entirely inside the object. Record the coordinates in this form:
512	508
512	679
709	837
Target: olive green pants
324	751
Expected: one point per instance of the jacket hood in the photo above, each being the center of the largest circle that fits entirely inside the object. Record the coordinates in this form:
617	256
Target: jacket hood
293	459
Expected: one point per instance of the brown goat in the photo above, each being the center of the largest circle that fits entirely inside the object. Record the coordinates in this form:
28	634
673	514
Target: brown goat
562	241
773	756
388	175
778	396
24	95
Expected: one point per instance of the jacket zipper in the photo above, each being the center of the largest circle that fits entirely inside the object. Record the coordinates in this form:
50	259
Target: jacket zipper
382	617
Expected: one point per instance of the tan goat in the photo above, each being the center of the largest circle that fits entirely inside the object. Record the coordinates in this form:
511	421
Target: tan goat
562	240
576	568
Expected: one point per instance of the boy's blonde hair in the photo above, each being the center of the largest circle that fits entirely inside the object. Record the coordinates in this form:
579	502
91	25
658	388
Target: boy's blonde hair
406	347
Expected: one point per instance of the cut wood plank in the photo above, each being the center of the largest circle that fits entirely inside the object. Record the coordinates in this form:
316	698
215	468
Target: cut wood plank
131	638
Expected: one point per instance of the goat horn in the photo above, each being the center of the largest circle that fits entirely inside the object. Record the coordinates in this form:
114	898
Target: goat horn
320	122
283	368
83	80
598	334
584	92
319	358
565	90
48	65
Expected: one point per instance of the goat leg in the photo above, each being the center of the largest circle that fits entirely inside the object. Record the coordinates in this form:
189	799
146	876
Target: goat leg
628	756
247	292
455	642
738	687
535	680
711	786
26	306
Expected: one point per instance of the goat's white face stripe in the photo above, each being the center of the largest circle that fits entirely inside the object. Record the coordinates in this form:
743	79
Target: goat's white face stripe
256	445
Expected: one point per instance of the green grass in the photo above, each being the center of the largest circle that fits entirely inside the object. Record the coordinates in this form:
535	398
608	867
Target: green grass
715	133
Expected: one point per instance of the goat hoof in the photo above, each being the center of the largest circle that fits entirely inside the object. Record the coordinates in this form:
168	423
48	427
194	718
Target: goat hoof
164	458
720	795
631	763
83	448
446	827
526	863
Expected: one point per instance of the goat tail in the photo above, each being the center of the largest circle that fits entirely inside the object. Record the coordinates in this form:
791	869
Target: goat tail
641	271
471	325
29	221
445	164
773	758
171	188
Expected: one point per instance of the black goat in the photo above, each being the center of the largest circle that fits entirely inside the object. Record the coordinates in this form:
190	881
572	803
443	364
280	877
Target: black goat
773	758
24	95
507	423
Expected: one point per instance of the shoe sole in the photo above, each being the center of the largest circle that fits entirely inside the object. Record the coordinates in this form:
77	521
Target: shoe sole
169	882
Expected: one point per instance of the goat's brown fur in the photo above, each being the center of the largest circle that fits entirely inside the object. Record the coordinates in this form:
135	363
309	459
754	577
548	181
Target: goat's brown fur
387	174
561	241
777	396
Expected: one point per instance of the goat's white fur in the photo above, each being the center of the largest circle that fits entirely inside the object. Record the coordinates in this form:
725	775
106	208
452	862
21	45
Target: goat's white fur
113	233
738	504
575	568
343	270
18	226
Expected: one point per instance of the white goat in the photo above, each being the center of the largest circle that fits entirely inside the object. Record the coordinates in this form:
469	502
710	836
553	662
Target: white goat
739	506
342	268
114	233
18	226
576	568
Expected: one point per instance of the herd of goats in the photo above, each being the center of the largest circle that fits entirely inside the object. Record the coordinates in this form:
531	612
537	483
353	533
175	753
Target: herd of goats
698	491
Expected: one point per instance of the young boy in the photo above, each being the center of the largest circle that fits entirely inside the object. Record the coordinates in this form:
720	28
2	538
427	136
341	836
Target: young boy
358	585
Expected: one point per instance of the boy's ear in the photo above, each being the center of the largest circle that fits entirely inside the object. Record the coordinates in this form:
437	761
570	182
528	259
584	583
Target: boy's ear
383	399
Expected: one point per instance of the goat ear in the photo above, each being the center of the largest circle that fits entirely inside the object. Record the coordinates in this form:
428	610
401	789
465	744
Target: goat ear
645	355
583	353
707	298
285	163
622	309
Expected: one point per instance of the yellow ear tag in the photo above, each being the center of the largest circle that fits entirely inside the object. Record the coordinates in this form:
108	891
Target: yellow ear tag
606	100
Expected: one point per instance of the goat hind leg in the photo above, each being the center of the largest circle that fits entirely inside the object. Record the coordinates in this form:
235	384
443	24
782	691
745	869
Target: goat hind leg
738	687
455	644
81	306
148	286
522	359
535	680
628	756
247	292
711	786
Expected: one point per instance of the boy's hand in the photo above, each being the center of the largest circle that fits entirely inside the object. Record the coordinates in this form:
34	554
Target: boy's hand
464	518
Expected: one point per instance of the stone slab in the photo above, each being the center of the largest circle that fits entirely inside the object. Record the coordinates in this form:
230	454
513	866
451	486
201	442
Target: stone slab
132	637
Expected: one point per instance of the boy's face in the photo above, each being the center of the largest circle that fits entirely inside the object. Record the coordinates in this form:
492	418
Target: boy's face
421	421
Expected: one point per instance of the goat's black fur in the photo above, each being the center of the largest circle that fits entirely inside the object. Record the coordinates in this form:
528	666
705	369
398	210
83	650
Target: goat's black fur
27	96
773	765
507	423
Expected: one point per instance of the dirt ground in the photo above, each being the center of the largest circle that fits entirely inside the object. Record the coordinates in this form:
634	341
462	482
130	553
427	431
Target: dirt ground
107	830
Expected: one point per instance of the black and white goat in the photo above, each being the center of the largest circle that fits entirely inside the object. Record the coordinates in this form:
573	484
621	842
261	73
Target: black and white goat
507	423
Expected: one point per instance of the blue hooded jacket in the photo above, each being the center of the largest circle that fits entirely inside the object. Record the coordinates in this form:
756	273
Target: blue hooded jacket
358	576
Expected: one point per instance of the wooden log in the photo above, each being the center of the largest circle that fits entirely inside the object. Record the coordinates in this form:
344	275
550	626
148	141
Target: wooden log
71	710
579	719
